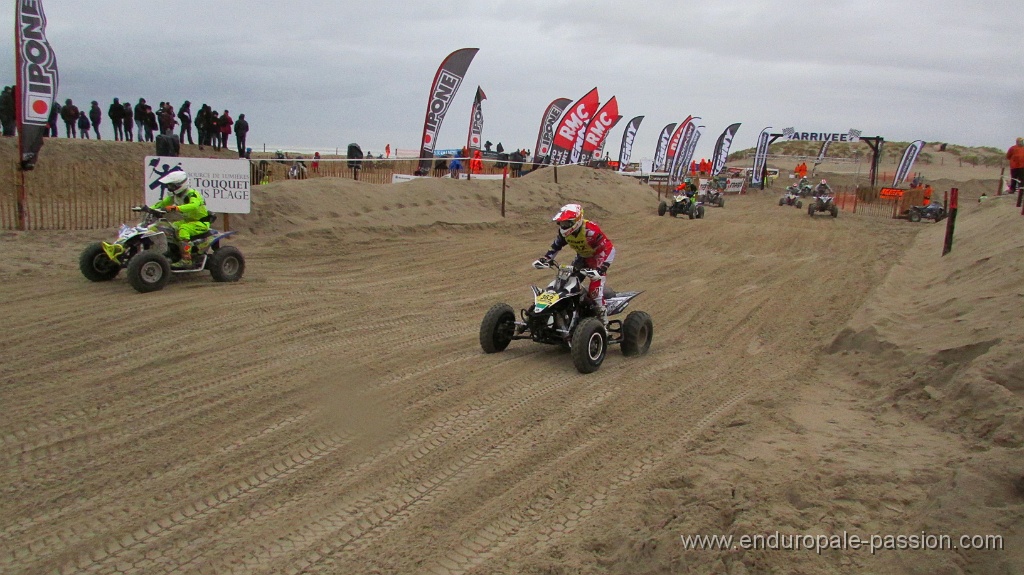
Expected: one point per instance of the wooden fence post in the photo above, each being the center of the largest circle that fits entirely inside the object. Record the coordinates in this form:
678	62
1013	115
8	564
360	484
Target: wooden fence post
947	245
504	178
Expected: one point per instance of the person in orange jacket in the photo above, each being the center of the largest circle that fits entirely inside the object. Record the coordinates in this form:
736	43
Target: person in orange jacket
1016	157
476	165
928	194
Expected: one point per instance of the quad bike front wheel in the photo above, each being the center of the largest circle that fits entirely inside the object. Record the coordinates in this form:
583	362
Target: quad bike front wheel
782	201
96	266
810	209
662	208
721	201
799	204
637	333
149	271
226	264
589	345
497	328
834	210
914	216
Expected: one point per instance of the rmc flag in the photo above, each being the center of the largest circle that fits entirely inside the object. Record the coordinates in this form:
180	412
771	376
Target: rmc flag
626	149
446	83
597	130
573	122
476	121
909	156
36	80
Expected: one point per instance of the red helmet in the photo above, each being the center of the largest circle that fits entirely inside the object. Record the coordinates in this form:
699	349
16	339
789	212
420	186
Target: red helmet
569	219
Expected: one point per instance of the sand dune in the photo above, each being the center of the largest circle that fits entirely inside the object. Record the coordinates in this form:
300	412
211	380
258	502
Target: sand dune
333	413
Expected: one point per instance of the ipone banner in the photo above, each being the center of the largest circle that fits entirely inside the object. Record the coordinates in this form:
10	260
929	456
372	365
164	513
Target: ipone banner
547	129
446	83
225	184
850	135
476	121
37	80
628	135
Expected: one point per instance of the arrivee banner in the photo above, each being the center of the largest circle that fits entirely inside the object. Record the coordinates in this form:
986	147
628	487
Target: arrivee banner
224	183
850	135
446	83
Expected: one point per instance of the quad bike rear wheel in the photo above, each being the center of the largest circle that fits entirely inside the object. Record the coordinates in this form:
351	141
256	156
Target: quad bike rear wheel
497	328
637	333
914	216
721	201
149	271
589	345
226	264
799	204
96	266
834	210
782	201
810	209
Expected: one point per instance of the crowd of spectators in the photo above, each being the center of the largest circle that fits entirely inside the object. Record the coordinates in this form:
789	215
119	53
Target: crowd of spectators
139	122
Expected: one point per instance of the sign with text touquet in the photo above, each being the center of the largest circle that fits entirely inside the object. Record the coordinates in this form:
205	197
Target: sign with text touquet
225	184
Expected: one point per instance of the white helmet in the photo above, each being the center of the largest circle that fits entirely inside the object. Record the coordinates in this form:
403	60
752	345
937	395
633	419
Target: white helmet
569	219
176	182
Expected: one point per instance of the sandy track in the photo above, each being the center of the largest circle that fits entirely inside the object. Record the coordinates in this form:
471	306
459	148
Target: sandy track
333	412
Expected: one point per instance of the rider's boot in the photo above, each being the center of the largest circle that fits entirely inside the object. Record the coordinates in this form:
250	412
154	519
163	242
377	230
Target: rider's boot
602	313
186	257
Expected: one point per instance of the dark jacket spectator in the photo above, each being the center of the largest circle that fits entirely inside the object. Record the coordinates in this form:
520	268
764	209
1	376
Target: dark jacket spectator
241	129
167	144
202	125
7	111
165	117
116	114
129	122
69	113
140	119
185	116
52	120
96	116
213	129
83	126
152	125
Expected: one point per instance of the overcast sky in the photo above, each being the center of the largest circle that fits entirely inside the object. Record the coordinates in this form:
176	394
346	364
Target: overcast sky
321	74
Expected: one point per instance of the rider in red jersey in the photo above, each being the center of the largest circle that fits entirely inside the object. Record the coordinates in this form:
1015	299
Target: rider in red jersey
592	247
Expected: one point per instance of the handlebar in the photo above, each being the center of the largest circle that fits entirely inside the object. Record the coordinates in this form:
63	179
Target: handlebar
149	210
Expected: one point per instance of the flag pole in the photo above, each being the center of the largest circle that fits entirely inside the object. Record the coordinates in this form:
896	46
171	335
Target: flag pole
22	196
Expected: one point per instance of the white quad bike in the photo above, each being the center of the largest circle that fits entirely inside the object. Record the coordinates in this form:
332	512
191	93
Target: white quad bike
563	315
147	250
823	202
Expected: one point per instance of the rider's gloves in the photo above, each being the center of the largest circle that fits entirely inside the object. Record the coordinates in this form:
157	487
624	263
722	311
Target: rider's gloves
170	208
591	273
603	268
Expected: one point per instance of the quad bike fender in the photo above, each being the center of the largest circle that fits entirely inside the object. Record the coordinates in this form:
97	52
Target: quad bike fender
618	302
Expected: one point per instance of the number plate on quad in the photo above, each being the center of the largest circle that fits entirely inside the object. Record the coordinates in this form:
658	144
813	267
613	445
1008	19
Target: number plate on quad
544	300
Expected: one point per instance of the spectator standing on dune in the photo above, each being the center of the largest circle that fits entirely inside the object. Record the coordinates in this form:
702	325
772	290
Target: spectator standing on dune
241	129
140	118
96	116
83	126
202	121
7	111
185	116
129	121
1016	157
152	125
51	121
225	125
213	129
69	113
116	114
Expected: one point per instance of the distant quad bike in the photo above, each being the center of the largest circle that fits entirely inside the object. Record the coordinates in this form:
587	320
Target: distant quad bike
823	203
714	198
562	315
682	205
802	189
930	212
148	249
792	198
